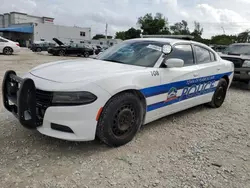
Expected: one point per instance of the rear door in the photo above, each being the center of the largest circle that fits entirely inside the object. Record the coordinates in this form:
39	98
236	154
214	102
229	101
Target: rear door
210	69
71	49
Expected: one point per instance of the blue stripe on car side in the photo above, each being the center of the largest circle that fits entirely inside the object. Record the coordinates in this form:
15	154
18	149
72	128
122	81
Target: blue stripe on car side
160	89
164	103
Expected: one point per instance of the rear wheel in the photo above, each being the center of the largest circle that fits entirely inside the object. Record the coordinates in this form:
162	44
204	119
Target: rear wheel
61	53
86	54
38	49
219	94
120	120
7	51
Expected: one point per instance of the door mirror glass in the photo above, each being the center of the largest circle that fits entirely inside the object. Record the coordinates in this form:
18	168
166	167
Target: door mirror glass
166	49
174	62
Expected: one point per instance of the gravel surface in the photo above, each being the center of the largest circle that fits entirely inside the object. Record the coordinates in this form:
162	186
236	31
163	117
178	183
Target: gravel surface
200	147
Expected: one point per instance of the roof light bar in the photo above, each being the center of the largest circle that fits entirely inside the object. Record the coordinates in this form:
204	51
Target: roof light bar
186	37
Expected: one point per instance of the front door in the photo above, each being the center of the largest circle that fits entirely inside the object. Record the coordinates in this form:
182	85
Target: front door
181	86
72	49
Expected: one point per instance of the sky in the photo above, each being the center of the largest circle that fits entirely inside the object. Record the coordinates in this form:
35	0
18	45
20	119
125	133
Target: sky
215	16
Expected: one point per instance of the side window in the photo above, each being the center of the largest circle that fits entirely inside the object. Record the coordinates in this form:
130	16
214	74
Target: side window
202	55
183	52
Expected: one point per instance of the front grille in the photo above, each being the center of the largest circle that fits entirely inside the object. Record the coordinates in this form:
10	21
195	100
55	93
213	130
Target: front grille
236	61
43	101
43	98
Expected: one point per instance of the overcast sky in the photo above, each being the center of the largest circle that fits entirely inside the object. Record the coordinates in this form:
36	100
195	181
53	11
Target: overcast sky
232	15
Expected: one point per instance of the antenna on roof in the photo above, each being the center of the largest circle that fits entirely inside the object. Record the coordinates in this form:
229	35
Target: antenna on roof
184	37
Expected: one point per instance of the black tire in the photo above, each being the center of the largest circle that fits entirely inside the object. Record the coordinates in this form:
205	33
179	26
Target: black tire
38	49
86	54
61	53
219	94
7	51
120	120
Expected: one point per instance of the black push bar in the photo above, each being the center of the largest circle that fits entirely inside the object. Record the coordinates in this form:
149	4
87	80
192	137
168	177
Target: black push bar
19	97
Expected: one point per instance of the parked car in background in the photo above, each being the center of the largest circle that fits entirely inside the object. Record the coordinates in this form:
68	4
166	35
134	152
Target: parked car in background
71	49
219	48
239	54
39	46
8	47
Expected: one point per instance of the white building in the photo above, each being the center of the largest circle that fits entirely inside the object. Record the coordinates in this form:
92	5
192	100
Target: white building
102	42
26	28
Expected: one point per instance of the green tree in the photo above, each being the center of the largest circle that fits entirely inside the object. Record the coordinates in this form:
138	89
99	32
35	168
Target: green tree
223	39
244	36
132	33
120	35
100	36
129	34
180	28
153	25
198	30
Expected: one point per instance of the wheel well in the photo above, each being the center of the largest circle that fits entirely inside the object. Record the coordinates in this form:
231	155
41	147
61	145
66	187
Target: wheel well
226	78
140	96
8	47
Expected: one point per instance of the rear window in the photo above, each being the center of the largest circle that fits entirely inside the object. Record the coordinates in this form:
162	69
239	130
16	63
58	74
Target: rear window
2	40
202	55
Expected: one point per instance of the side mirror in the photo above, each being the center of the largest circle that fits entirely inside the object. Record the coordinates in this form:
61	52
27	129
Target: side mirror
174	62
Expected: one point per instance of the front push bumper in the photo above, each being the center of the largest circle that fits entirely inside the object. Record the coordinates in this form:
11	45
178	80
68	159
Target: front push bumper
19	97
242	74
73	123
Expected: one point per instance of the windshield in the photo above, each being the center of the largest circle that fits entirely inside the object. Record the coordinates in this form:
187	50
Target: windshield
138	53
239	49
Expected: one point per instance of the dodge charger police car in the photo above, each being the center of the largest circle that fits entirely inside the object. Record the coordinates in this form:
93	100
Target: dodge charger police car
110	97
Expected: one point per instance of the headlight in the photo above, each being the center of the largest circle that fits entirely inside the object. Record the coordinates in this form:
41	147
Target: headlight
246	63
73	98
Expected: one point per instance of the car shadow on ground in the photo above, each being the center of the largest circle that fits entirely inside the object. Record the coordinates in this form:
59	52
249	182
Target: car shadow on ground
240	86
1	54
63	146
168	120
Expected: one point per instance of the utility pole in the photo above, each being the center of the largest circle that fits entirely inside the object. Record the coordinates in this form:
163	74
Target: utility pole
223	30
106	31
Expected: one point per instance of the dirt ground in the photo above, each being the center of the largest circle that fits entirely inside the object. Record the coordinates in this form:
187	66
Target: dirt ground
200	147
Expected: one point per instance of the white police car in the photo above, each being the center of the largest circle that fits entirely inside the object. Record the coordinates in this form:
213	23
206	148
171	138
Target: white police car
130	84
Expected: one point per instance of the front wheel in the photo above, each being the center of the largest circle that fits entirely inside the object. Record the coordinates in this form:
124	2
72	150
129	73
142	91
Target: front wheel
38	49
61	53
86	54
120	119
219	94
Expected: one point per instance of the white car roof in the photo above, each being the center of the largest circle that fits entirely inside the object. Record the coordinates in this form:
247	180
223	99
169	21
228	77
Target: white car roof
168	40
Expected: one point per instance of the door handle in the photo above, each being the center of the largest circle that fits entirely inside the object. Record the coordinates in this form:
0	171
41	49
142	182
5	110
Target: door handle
218	69
196	74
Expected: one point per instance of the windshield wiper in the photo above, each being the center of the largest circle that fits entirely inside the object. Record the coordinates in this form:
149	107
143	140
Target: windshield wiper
110	60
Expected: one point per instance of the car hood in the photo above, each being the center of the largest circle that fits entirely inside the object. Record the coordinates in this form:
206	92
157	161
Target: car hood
235	56
80	70
60	43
